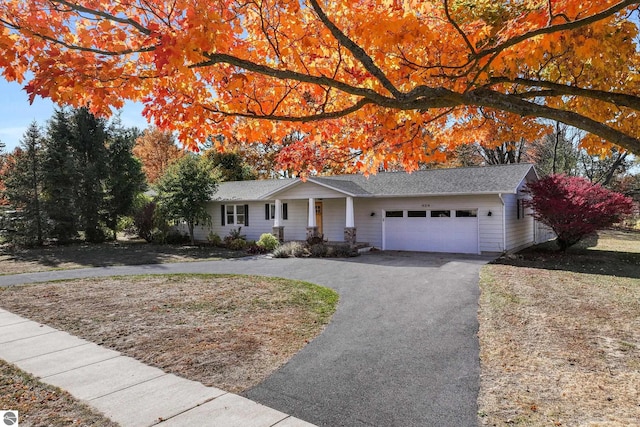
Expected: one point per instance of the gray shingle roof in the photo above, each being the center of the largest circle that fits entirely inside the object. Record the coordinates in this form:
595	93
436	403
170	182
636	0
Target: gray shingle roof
475	180
250	190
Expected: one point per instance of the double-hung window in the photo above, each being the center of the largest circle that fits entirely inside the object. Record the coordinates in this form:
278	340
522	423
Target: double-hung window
235	215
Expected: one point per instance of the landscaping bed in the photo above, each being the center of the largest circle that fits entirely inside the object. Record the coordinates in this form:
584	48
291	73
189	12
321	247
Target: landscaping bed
560	335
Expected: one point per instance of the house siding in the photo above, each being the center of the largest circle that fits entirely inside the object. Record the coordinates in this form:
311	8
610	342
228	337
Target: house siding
520	232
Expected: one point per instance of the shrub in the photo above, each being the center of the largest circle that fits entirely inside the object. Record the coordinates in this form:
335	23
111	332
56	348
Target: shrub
143	221
236	244
344	250
318	250
256	249
234	234
574	207
314	240
214	239
268	242
290	249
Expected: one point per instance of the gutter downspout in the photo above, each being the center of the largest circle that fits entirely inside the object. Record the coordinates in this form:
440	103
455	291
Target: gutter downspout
504	224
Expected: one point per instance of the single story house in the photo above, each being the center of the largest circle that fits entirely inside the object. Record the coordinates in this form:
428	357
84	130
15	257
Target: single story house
460	210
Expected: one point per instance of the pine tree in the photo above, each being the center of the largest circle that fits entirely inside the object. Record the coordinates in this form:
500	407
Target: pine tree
59	179
88	142
22	189
125	179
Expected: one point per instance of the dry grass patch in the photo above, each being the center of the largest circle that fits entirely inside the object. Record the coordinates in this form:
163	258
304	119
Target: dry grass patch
225	331
16	261
43	405
560	337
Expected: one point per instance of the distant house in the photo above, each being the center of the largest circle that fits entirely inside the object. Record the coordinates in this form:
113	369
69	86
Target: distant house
461	210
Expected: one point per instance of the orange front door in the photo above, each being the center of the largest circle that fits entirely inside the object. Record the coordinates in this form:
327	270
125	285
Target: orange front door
319	217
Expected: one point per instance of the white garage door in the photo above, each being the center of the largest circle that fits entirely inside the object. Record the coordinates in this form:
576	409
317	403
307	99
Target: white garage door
445	230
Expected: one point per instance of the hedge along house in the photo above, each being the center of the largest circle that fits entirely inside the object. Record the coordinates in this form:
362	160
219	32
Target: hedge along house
461	210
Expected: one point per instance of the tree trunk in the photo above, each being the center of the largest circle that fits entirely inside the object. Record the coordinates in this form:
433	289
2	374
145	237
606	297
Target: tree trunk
190	226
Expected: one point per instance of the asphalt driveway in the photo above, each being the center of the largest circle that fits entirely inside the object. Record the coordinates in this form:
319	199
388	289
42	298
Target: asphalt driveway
401	349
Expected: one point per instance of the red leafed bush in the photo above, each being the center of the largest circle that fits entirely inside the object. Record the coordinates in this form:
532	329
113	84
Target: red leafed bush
574	207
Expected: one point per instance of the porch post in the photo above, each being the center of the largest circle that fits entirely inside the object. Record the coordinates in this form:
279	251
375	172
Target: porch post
350	229
278	229
312	227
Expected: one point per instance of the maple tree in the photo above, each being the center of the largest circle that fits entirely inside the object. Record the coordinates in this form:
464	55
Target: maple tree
156	150
398	81
574	207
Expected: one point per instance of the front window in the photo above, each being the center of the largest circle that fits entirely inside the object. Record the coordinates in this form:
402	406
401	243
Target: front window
235	214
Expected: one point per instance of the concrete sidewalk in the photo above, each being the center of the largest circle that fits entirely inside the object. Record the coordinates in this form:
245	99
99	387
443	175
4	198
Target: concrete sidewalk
125	390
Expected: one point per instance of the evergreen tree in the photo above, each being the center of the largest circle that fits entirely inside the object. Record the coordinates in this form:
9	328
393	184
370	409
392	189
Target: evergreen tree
125	179
184	190
59	179
22	182
88	142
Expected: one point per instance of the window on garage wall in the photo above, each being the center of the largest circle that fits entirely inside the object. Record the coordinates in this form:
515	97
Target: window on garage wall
466	213
440	214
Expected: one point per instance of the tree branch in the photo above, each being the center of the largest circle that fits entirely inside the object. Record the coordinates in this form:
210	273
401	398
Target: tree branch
222	58
298	119
516	105
357	51
556	89
105	15
559	27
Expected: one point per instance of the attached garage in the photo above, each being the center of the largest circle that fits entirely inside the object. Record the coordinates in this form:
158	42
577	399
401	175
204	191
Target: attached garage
441	230
460	210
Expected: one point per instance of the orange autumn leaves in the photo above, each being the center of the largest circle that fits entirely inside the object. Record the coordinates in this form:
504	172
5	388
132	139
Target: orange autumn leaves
368	82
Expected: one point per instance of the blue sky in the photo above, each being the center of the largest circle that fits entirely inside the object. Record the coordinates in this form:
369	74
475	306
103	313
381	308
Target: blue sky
16	113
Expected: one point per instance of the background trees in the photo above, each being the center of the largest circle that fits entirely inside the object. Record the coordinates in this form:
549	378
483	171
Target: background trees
60	178
156	149
80	176
23	183
124	180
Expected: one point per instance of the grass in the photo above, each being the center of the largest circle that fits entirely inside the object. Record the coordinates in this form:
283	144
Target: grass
15	261
560	335
40	404
226	331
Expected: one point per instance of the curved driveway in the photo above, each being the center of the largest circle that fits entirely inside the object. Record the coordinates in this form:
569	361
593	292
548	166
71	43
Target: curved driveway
401	349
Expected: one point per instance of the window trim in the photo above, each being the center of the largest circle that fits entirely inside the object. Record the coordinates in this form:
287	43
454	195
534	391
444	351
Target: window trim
270	211
231	212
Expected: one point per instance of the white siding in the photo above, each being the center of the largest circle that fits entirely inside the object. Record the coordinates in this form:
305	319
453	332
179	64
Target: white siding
519	231
369	228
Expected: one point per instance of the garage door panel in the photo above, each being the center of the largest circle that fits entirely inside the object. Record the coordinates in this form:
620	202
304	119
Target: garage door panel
432	234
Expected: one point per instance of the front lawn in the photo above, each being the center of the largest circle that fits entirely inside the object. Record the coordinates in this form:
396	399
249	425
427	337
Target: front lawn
560	335
226	331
